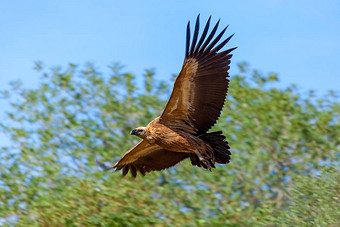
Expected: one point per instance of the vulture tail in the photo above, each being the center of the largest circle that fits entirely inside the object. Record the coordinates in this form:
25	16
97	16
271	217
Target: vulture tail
219	146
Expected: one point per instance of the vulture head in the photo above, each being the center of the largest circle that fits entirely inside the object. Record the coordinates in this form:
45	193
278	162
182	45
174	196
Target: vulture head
140	132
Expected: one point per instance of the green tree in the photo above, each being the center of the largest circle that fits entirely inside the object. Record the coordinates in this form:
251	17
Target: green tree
281	140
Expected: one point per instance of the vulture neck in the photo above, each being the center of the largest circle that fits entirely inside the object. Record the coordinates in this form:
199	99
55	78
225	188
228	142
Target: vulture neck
147	137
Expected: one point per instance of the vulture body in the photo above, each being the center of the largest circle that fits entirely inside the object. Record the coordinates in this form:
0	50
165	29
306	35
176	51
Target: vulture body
194	106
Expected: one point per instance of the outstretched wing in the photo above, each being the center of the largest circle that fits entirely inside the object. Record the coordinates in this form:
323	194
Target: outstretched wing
145	157
201	87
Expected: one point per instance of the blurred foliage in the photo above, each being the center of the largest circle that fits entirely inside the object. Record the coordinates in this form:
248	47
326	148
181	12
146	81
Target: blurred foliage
313	201
284	169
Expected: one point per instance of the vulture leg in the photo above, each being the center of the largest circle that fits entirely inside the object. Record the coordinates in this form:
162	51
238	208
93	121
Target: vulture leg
205	162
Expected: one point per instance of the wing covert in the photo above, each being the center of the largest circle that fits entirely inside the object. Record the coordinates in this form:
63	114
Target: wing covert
145	157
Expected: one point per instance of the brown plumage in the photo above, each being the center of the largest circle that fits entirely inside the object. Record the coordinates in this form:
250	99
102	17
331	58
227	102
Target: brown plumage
194	106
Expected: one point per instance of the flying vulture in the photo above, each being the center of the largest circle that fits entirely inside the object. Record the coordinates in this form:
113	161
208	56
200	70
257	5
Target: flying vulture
194	106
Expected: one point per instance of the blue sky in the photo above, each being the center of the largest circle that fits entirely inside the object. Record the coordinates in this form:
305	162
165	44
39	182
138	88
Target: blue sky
298	39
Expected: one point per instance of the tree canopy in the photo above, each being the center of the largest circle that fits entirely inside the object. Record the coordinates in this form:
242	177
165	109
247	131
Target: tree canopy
284	170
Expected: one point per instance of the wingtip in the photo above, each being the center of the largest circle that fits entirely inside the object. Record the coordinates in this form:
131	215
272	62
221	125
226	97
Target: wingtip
133	171
224	30
209	19
125	170
195	36
187	40
218	22
198	19
188	28
232	49
103	166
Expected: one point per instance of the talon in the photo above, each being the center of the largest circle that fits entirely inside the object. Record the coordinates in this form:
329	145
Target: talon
206	163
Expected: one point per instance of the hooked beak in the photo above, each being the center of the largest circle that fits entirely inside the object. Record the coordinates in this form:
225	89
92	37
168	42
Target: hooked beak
133	132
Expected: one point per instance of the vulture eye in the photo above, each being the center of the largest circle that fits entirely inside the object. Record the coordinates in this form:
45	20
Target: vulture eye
140	130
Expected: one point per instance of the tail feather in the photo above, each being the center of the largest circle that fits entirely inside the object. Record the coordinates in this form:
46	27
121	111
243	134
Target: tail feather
220	147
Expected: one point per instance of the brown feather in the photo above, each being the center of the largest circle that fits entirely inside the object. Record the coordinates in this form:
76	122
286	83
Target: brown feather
201	87
194	40
133	170
204	34
125	170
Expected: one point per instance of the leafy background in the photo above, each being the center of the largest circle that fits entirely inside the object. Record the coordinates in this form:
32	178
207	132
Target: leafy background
284	169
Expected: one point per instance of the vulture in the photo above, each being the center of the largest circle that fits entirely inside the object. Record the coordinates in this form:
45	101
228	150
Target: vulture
195	104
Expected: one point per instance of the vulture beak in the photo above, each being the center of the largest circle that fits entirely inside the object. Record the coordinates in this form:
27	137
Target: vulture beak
133	132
